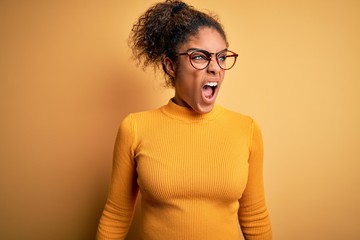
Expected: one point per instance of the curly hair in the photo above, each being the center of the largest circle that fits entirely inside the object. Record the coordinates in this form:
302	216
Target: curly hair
163	28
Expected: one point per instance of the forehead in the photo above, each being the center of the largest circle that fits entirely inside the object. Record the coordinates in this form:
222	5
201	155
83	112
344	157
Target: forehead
206	38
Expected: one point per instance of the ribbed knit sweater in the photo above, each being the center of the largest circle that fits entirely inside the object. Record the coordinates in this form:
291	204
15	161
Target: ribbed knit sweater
200	177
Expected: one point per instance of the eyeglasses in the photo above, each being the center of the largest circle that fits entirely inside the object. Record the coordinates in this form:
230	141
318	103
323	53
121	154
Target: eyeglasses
200	59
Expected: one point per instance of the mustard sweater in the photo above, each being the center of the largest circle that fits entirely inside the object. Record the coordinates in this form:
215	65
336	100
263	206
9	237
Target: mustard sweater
200	177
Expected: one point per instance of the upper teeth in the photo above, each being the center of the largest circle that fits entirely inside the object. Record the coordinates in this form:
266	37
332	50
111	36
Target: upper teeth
211	84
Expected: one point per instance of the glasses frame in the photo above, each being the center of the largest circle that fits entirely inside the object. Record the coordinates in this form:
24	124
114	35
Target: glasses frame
191	51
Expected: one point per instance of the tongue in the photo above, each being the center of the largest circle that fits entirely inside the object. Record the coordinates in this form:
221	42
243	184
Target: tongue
207	92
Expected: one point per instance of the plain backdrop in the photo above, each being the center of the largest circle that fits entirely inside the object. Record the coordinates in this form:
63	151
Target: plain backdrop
67	80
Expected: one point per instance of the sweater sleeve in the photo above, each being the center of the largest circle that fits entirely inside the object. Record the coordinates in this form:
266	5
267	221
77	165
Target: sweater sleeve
253	214
119	208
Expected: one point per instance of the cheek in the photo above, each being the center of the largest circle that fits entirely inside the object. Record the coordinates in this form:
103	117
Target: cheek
187	78
192	81
222	77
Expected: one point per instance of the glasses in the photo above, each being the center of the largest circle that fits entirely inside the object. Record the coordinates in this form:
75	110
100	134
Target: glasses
200	59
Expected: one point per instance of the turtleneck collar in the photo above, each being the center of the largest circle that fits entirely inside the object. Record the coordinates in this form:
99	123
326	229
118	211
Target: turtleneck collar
189	115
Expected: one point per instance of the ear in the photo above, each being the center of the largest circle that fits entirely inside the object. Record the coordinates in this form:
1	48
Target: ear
170	66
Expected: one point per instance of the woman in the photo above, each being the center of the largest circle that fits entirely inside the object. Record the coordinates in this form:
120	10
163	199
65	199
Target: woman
197	165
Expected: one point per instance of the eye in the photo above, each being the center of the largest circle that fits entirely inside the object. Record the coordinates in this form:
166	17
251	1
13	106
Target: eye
222	57
199	57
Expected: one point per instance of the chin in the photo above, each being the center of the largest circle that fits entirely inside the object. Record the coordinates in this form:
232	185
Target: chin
204	109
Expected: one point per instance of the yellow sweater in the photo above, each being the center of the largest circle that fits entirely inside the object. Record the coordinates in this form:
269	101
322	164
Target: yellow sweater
200	177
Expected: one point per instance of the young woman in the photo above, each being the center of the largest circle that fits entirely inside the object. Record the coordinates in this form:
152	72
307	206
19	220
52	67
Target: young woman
197	165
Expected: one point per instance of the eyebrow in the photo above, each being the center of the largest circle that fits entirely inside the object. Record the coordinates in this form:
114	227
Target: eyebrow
199	49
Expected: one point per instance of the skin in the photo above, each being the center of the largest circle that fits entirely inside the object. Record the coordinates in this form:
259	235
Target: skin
188	81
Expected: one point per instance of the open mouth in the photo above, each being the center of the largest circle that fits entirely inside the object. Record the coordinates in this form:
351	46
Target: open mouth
209	90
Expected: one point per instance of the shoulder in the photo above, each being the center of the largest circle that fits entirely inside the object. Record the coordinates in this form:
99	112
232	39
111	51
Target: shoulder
143	115
236	117
143	118
241	121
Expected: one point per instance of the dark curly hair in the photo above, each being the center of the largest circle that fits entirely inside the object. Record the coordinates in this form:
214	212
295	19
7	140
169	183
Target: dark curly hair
163	28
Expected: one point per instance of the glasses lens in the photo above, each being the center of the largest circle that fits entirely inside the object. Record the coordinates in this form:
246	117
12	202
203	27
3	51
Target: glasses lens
199	59
226	59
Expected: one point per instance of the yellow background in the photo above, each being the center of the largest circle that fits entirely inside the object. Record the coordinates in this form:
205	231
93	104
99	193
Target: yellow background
67	80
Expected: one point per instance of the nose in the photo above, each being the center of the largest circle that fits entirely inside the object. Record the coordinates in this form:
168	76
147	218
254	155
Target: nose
213	67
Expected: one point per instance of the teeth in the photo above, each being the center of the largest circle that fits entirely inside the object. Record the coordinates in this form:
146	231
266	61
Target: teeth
211	84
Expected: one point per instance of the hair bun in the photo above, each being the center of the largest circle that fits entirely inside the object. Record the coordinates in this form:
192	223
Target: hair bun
163	28
179	6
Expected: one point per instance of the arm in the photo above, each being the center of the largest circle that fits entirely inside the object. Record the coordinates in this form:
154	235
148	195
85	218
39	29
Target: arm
253	214
119	209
